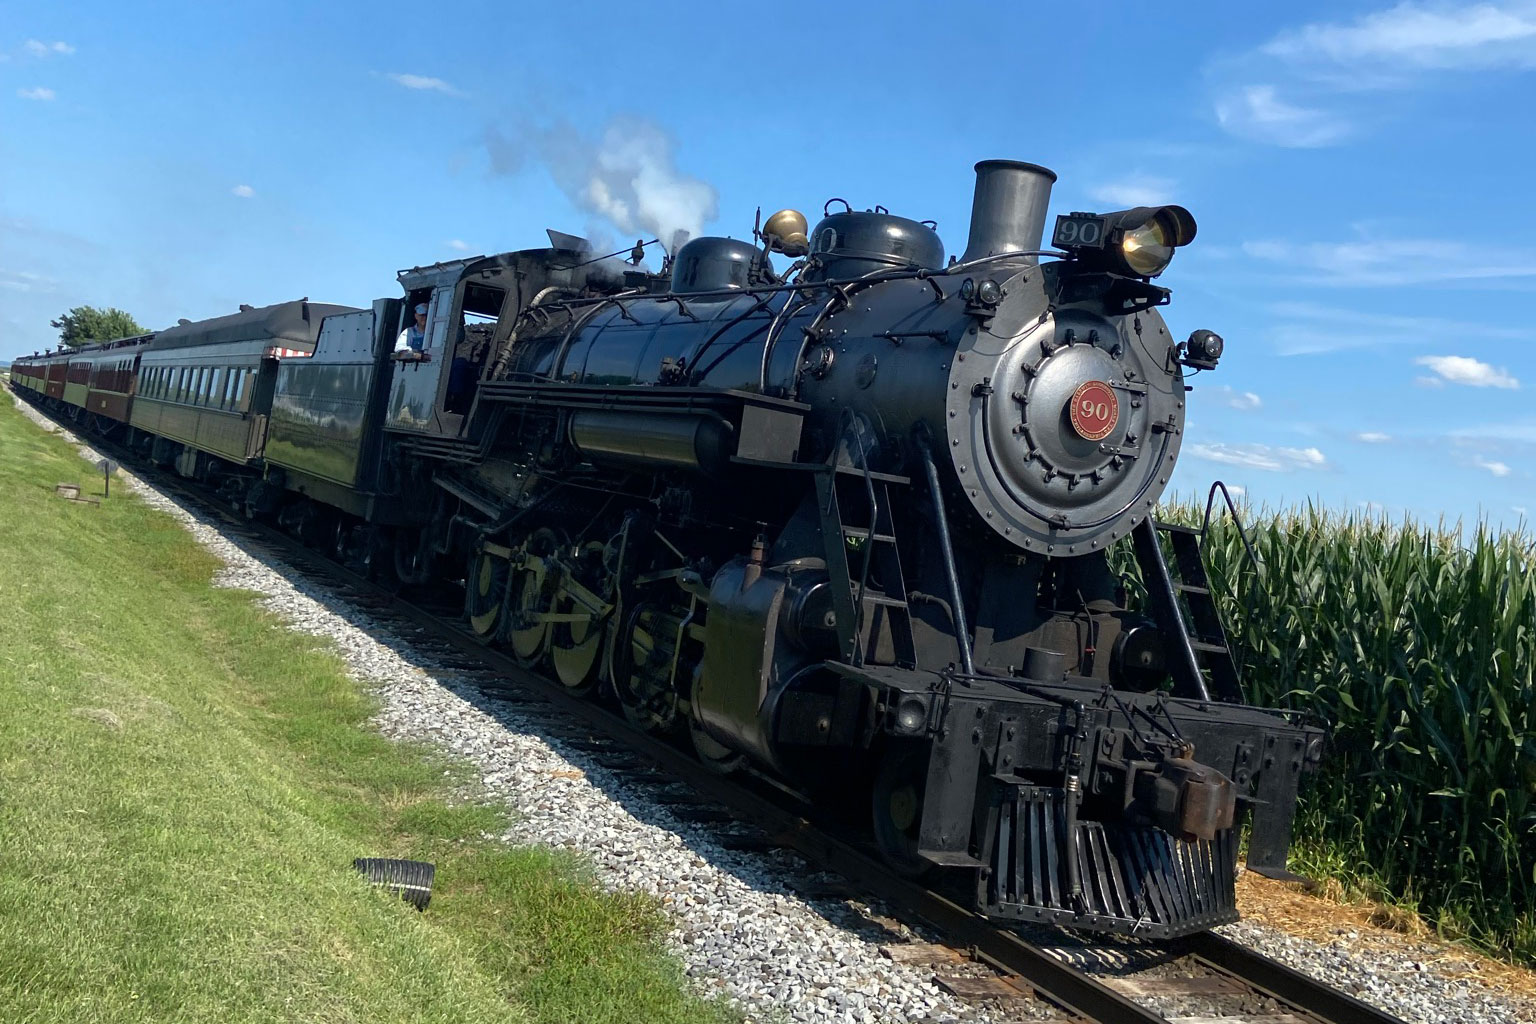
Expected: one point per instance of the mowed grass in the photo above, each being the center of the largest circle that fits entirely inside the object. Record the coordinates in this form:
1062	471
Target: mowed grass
184	784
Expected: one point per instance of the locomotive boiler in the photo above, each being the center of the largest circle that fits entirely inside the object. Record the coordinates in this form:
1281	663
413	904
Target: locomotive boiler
848	523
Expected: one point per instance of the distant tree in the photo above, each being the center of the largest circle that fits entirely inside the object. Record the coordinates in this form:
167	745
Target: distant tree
86	325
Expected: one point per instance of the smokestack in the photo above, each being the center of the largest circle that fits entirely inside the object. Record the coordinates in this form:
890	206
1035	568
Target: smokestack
1008	213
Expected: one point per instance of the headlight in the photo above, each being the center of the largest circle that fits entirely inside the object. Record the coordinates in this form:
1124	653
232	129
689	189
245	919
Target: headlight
911	715
1137	242
1202	350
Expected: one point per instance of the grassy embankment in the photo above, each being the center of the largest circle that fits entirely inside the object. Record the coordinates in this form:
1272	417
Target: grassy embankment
184	784
1418	645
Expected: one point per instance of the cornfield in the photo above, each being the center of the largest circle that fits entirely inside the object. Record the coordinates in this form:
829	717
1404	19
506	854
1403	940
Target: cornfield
1417	646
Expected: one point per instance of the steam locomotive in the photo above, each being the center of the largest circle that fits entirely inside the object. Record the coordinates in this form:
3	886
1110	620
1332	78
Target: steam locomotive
848	524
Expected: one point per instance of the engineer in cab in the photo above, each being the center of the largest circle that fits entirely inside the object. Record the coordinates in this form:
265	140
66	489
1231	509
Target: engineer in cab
412	342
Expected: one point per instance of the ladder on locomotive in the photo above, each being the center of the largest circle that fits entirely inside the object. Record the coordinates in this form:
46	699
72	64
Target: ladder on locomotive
1182	592
866	614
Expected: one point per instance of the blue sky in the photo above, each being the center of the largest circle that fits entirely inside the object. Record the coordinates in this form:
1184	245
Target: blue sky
1360	172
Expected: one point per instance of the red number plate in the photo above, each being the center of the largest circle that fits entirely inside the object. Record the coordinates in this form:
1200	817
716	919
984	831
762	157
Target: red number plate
1095	410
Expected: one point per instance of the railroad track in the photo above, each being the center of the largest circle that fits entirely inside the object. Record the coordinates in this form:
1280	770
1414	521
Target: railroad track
1205	979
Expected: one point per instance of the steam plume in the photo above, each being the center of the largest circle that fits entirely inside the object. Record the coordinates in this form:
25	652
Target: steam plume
627	175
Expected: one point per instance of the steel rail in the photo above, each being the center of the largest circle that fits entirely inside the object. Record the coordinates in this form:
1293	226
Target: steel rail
1281	983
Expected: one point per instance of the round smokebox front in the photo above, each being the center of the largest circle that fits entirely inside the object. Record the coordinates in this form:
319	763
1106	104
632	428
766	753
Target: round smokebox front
1064	434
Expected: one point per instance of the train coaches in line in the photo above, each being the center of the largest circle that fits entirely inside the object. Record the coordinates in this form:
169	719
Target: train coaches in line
205	388
101	381
31	372
27	374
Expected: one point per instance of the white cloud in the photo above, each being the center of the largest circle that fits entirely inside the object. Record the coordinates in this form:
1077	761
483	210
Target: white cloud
458	244
1246	401
39	93
1257	113
1270	458
1412	35
1137	190
1496	468
1306	328
1520	510
1429	382
243	191
1471	372
38	48
1312	85
422	82
1373	437
1393	262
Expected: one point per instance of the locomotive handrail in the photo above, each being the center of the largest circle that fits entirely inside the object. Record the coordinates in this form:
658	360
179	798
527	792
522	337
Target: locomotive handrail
998	257
1237	520
874	277
874	527
947	553
1253	554
774	332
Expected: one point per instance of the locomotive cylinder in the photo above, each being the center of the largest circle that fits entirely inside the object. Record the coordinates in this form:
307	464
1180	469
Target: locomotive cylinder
1008	212
686	442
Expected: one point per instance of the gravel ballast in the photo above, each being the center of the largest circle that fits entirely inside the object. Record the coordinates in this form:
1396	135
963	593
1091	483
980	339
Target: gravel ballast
738	929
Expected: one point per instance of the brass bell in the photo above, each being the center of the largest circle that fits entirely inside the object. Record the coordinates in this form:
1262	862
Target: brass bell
785	232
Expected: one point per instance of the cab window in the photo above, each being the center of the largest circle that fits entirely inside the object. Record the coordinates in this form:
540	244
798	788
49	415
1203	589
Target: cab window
418	297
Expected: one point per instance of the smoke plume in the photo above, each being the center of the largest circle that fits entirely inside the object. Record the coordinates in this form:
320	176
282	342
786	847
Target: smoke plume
627	175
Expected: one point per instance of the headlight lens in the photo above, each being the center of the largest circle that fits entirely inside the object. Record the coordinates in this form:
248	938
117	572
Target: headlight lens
912	715
1147	250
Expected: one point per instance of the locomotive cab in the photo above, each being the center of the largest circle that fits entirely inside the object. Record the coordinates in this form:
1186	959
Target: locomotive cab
433	391
473	309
